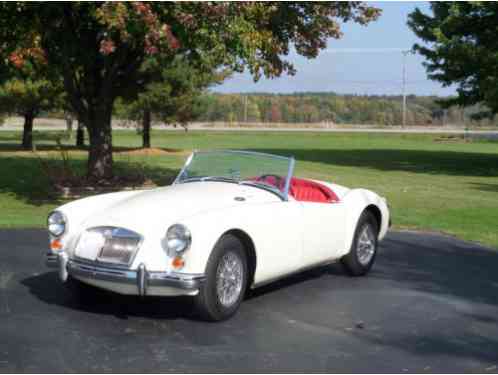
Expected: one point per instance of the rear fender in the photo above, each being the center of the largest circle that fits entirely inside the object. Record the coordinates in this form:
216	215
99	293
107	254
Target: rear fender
357	201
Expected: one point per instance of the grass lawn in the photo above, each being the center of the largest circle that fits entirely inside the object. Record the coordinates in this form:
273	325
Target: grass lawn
431	184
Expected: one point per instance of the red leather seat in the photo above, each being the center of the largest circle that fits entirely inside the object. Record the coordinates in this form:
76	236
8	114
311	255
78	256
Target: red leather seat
302	190
310	191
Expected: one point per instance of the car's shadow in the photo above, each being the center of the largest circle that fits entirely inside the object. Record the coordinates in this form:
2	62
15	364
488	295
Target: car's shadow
335	269
415	262
48	288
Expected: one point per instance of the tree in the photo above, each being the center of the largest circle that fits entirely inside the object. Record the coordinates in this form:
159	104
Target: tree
68	117
276	113
99	48
171	94
26	87
253	112
80	134
461	48
27	98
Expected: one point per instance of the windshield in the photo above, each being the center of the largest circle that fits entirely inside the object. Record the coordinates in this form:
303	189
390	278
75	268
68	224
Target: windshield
267	171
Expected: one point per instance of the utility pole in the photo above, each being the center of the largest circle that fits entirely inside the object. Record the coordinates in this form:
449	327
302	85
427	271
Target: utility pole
245	108
405	53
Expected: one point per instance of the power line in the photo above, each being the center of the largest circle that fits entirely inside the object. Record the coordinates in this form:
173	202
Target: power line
376	82
365	50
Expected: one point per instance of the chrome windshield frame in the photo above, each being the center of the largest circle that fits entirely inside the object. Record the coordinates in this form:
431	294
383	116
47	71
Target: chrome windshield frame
184	168
283	195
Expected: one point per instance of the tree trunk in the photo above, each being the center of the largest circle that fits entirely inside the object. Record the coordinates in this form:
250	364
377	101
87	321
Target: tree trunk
27	135
80	135
100	134
69	124
146	129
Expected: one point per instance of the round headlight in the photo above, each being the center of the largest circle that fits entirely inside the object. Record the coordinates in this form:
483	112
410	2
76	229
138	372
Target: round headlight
57	223
178	238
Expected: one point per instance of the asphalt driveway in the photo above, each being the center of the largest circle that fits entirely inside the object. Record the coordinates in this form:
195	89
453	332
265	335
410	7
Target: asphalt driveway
429	305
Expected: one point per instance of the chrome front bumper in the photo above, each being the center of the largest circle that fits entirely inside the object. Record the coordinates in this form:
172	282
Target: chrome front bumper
140	277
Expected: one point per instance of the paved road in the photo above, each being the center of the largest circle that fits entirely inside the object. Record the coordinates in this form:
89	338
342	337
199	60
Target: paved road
58	125
429	305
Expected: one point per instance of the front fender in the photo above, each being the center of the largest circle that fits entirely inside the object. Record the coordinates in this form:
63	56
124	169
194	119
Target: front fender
206	230
79	210
357	201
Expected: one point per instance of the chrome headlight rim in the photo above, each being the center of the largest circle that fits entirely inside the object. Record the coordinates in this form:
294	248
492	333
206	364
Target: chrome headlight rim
180	234
63	221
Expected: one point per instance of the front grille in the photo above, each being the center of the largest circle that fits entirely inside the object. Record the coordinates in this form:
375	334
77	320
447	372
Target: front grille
119	250
109	245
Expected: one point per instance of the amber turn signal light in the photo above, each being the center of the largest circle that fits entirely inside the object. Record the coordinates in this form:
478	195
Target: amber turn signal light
178	262
55	245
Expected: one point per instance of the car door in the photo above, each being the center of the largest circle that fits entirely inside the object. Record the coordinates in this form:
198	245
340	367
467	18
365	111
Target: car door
276	231
322	226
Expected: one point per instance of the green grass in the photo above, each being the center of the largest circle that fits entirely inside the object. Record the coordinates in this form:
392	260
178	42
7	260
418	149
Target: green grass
431	185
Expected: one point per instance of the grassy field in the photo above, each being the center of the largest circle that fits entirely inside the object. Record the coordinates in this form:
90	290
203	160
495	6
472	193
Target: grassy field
432	183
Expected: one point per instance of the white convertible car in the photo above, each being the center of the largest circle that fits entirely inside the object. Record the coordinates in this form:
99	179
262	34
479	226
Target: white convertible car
232	220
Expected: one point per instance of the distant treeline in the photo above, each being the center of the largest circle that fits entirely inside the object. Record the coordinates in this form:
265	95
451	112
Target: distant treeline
313	107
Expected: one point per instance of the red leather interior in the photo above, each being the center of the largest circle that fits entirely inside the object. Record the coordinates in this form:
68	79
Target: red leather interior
271	180
311	191
303	190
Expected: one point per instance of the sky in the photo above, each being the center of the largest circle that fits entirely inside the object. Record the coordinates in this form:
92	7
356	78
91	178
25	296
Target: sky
358	67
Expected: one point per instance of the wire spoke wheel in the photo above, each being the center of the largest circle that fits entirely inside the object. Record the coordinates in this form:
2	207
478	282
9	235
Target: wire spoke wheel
226	280
229	279
365	248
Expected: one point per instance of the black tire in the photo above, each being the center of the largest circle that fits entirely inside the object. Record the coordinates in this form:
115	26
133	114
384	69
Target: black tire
351	261
207	301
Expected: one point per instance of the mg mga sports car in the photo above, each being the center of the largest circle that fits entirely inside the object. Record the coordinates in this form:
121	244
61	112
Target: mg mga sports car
232	220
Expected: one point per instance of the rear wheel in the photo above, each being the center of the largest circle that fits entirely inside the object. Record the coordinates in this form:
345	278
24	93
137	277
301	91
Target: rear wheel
363	250
226	280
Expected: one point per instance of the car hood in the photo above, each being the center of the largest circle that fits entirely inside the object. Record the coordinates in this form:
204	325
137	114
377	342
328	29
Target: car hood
173	203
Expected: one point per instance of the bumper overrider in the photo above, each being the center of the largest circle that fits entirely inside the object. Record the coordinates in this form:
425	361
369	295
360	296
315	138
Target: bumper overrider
142	278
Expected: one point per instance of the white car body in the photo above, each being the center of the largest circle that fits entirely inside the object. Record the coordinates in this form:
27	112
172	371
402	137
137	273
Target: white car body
285	236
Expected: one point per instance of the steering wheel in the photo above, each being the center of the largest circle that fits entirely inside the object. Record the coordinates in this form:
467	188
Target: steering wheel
278	180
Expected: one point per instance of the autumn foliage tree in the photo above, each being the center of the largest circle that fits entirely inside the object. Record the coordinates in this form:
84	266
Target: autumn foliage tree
28	89
27	98
99	48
